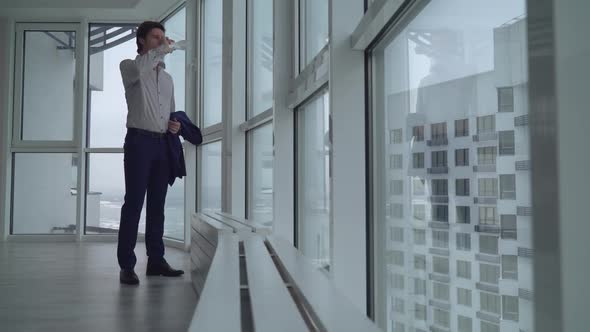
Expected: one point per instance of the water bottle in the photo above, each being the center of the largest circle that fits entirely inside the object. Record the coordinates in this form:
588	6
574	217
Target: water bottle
179	45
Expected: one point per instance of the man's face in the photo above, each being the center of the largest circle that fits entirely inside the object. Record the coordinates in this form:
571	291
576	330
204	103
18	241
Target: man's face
153	39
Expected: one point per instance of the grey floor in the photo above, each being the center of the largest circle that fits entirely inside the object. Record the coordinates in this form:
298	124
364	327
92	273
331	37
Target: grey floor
75	287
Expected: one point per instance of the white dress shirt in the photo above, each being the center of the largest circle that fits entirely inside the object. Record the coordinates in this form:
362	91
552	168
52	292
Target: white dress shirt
149	90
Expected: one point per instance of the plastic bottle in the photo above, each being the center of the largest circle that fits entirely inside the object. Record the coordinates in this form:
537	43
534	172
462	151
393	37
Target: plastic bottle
179	45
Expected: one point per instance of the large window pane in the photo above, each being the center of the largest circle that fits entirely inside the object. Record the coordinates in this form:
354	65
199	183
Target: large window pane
44	193
260	46
260	189
313	174
106	95
212	50
313	29
442	69
210	188
49	67
175	61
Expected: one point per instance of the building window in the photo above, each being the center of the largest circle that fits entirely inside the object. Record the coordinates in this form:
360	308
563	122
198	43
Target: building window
462	128
440	187
440	265
464	324
441	317
487	187
420	262
510	267
397	234
419	287
313	29
462	157
462	187
397	257
418	133
418	160
439	131
440	239
507	186
419	187
420	211
439	158
510	307
489	327
464	269
508	224
397	210
490	303
419	311
397	281
486	155
396	136
463	215
396	187
398	305
420	236
506	143
440	213
506	99
488	244
464	297
463	241
396	161
440	291
486	124
487	215
489	273
260	180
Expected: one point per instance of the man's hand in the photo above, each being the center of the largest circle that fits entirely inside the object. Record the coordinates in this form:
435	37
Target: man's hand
173	126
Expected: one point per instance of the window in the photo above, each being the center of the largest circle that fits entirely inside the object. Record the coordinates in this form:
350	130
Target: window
419	236
418	186
313	28
440	239
463	215
398	305
440	213
397	234
486	156
507	186
397	210
506	99
419	287
439	158
397	257
462	128
418	133
396	187
419	211
510	307
420	262
212	64
464	297
419	311
464	269
440	265
440	187
464	324
418	160
510	267
463	241
313	175
441	317
260	169
487	215
489	327
396	136
506	143
398	281
508	224
210	197
462	157
439	131
441	291
488	244
399	327
486	124
260	56
396	161
488	187
489	273
490	303
462	187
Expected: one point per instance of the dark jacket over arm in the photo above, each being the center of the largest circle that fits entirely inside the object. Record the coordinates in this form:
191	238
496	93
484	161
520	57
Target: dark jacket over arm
190	133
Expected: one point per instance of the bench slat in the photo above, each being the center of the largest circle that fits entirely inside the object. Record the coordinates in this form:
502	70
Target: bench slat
208	227
219	305
256	227
238	227
273	308
335	311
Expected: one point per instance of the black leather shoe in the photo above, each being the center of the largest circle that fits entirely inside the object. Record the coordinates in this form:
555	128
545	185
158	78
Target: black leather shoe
128	277
162	269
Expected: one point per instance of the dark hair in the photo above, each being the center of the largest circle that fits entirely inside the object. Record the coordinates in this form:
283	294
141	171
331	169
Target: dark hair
145	28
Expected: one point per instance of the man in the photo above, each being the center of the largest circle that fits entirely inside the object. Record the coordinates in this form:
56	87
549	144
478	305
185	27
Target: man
149	92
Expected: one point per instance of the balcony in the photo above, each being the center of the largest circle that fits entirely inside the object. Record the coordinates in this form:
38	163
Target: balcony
490	229
485	200
525	252
524	211
487	287
485	168
521	121
439	304
508	195
484	137
522	165
439	199
438	141
440	252
525	294
490	317
438	224
494	259
438	170
440	277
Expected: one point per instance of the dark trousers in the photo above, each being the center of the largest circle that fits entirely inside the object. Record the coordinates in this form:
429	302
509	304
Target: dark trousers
146	164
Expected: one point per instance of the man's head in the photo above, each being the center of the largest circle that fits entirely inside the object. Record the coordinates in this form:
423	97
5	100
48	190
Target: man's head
149	35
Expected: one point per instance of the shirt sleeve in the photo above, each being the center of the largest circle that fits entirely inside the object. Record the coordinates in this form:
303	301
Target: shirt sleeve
132	70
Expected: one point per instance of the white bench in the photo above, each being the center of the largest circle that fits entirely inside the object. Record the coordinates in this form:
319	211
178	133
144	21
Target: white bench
261	283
